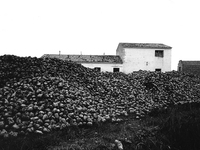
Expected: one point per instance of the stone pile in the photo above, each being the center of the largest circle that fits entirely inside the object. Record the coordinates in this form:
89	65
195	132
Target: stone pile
40	95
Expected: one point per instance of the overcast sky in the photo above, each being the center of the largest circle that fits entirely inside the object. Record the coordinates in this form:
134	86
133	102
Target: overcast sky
37	27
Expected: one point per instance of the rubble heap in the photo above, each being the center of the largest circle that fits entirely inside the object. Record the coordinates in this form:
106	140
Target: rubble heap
39	95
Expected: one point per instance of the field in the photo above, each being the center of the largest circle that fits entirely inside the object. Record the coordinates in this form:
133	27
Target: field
54	104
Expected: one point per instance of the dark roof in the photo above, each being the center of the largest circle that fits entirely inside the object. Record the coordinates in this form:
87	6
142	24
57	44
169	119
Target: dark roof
144	45
87	58
190	62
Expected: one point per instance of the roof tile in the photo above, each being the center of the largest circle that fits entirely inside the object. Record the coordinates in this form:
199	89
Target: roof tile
190	62
87	58
144	45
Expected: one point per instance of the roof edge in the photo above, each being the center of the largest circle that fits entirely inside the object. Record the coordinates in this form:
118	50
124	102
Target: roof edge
144	45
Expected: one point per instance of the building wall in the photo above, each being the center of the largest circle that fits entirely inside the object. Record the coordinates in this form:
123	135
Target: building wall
189	68
135	59
192	69
104	66
180	66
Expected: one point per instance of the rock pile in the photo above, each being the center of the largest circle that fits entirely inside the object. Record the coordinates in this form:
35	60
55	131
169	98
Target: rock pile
40	95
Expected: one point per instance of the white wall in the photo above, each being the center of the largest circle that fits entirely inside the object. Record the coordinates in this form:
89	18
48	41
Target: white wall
144	59
104	66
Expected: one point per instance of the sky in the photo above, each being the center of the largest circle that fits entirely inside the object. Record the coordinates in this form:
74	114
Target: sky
33	28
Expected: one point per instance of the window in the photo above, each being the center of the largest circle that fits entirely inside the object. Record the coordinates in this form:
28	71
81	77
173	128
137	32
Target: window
158	69
159	53
97	69
115	69
179	68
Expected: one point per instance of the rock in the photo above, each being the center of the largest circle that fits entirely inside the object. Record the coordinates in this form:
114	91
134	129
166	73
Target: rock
7	114
119	144
39	132
31	114
30	108
1	124
31	129
89	123
13	133
3	132
15	126
10	120
55	104
49	114
6	135
45	116
46	130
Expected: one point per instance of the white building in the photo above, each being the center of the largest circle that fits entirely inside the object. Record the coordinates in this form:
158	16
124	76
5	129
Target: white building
144	56
129	57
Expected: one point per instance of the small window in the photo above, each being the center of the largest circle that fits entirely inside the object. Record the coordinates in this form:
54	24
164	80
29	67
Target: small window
159	53
115	69
158	70
97	69
179	68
